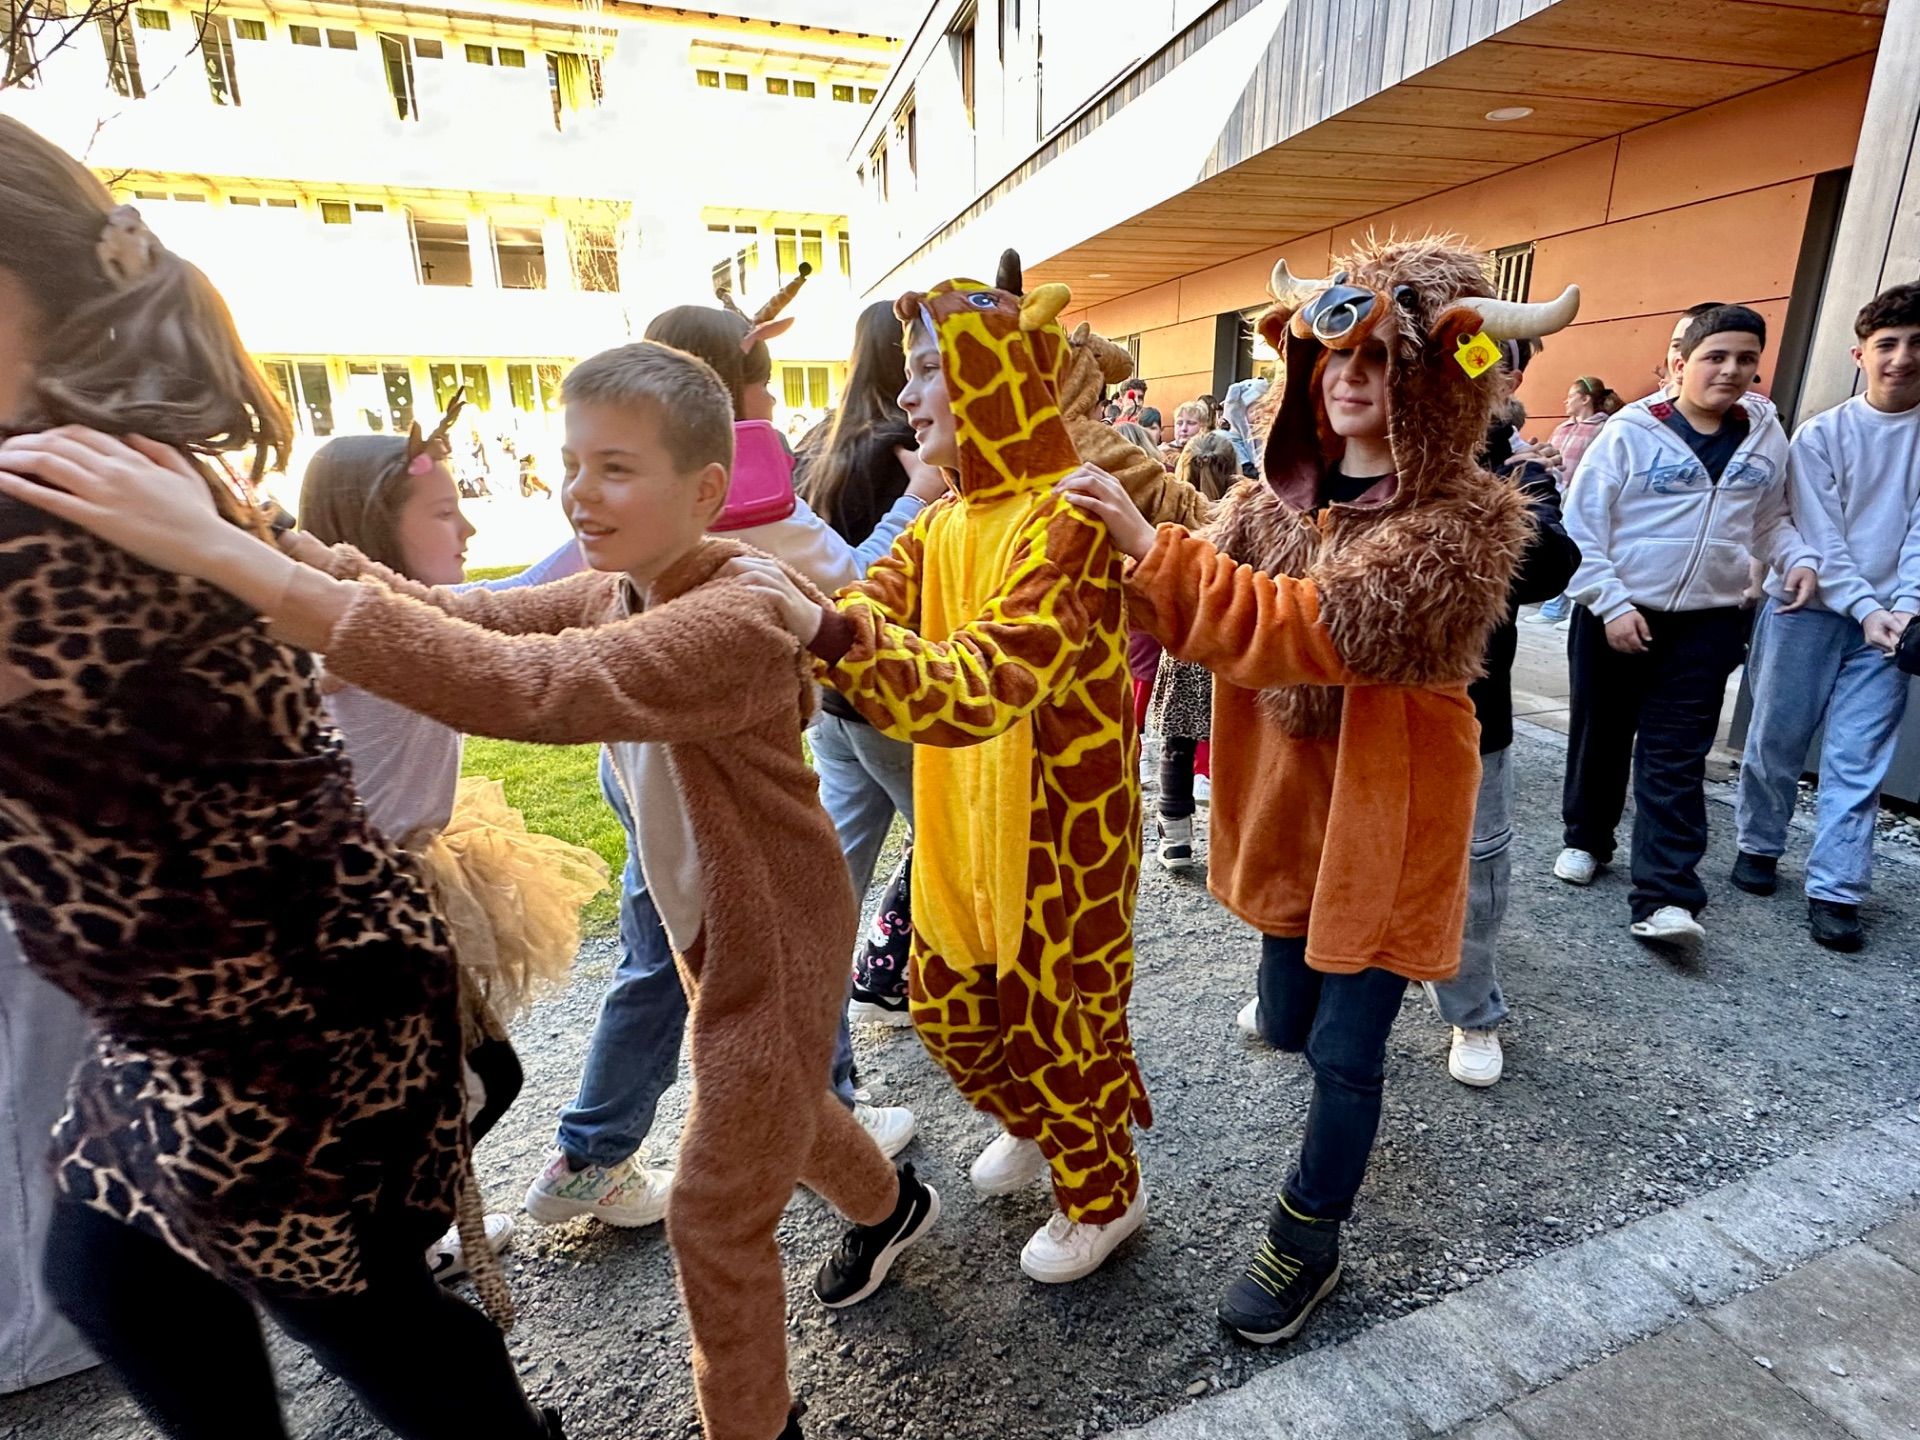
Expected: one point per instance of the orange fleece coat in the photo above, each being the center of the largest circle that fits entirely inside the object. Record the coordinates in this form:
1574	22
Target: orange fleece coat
709	670
1358	839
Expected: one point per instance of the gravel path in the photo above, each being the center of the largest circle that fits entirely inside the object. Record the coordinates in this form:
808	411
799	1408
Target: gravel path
1633	1083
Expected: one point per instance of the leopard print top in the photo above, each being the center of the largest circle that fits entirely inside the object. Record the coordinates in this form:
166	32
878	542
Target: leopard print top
273	998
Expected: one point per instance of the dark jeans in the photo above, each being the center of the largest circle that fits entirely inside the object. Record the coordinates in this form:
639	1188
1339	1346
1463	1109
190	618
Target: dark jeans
1340	1022
1176	776
1656	712
189	1349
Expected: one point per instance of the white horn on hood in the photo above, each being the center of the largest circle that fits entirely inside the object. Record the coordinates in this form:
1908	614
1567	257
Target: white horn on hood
1288	288
1511	320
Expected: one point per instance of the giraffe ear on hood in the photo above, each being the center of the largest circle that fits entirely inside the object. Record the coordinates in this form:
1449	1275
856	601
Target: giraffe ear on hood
1043	306
908	307
765	331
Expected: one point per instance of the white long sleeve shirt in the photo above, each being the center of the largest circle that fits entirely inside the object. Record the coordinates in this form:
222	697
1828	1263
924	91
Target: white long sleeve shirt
1656	532
1855	493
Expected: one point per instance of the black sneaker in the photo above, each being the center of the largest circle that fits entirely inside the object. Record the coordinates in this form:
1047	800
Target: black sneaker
1272	1301
1835	926
860	1262
877	1008
792	1432
1755	873
551	1418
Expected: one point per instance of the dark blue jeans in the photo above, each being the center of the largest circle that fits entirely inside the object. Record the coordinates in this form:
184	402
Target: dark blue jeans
634	1054
1340	1022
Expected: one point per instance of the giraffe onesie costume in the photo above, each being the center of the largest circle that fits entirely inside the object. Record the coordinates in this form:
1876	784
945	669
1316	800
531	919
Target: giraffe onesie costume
994	638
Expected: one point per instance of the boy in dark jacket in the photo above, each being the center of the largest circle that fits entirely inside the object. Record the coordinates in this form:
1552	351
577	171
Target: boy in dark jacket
1471	1002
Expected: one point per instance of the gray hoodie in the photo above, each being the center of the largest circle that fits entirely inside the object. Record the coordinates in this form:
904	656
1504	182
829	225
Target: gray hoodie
1657	533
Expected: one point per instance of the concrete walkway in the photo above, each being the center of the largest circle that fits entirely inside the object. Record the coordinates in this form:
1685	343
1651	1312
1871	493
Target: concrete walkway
1783	1306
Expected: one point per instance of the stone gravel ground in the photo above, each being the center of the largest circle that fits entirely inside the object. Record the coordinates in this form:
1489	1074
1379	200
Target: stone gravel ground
1633	1082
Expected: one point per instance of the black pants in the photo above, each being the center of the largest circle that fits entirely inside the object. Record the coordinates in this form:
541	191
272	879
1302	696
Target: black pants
189	1348
1176	776
1656	712
1341	1023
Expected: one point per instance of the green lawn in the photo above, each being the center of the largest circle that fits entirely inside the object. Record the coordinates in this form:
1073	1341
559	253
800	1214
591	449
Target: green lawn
557	788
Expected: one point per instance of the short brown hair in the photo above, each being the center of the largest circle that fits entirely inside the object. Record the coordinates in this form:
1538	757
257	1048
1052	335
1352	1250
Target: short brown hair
687	401
1899	305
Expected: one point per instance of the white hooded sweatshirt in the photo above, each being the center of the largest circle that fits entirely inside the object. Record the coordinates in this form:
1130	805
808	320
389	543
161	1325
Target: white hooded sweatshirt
1656	532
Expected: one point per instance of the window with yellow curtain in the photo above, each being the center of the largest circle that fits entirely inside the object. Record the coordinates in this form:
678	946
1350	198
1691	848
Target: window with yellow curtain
793	382
574	81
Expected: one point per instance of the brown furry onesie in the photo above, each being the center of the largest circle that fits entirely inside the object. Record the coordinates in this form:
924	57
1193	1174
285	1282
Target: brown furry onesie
709	670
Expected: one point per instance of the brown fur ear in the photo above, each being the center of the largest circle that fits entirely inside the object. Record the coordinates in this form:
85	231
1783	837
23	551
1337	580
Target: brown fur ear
907	308
1454	326
1080	333
416	444
1273	328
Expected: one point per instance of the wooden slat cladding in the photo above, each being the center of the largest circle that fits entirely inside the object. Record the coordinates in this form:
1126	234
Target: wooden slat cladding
1358	105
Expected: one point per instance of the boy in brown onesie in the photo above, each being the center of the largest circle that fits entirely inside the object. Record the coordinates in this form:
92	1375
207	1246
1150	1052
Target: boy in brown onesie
675	653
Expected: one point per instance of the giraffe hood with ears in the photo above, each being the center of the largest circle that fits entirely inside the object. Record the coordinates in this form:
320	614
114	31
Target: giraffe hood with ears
1002	354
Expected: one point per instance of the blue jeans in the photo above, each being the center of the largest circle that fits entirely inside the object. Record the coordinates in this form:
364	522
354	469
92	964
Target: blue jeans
1808	667
1472	999
634	1054
864	778
1340	1022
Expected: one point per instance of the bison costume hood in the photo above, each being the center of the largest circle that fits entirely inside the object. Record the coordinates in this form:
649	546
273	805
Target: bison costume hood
1414	574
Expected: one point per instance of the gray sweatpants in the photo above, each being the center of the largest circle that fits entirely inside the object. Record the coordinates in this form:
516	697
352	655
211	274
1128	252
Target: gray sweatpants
1472	999
42	1036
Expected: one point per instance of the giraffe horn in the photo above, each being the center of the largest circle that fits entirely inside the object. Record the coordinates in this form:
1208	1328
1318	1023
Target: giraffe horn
1009	278
783	296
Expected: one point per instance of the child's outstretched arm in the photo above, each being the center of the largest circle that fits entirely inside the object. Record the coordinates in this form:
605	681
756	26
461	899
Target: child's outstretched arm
1249	628
989	673
713	662
488	603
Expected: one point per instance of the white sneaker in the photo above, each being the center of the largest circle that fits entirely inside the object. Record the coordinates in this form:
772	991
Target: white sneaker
447	1257
1007	1165
1670	925
1576	867
1475	1058
626	1195
891	1126
1202	790
1063	1250
1176	844
1249	1020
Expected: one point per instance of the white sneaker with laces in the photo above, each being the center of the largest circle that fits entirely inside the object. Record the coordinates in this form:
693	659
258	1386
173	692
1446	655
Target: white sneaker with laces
1007	1165
627	1195
1064	1250
447	1257
1249	1020
1576	867
891	1126
1670	925
1475	1058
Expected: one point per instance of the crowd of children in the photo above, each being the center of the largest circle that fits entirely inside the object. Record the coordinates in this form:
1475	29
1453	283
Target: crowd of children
233	830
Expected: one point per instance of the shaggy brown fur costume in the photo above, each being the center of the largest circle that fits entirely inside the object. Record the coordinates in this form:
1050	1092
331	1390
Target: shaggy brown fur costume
710	671
1346	750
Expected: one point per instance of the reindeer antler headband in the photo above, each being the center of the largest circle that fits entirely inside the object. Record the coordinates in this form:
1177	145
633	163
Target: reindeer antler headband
422	454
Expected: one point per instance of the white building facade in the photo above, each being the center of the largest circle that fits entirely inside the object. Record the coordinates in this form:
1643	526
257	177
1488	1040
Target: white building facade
400	199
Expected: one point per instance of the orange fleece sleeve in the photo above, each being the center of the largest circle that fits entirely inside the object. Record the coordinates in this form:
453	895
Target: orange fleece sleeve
1249	628
713	662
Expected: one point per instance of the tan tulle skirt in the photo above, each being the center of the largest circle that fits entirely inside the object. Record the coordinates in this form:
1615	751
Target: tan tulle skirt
512	898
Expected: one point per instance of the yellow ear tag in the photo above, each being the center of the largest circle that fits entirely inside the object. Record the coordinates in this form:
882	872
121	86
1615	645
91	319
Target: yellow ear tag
1477	354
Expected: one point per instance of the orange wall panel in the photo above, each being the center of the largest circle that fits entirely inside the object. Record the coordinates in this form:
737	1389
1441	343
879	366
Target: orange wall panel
1166	393
1623	354
1565	192
1177	349
1142	310
1798	127
1742	246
